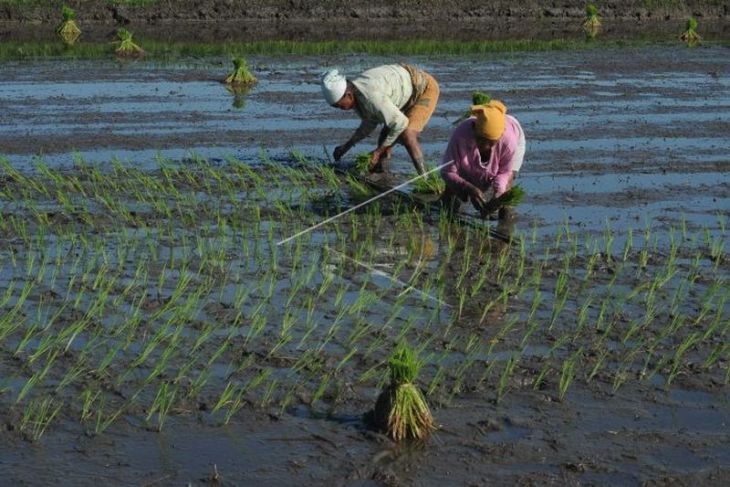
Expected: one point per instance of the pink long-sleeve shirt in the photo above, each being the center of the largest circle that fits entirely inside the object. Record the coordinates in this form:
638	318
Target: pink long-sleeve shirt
468	166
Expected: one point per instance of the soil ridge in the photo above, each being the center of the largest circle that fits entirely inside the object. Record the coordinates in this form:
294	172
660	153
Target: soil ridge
126	12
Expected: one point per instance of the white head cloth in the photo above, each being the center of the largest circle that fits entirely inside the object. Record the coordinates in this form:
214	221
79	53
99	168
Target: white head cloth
333	86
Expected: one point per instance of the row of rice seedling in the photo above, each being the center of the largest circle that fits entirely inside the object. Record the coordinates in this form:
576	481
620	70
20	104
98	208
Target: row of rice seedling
147	294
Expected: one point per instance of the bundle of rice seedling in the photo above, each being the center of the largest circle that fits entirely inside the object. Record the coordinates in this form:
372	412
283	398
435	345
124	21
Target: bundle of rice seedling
240	75
480	98
363	162
431	184
690	36
401	410
68	30
127	47
477	98
592	22
511	197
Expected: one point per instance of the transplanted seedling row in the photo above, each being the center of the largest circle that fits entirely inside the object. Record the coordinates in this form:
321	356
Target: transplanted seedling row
147	294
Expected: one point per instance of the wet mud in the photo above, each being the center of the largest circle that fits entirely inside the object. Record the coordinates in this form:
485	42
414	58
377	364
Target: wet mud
226	21
140	207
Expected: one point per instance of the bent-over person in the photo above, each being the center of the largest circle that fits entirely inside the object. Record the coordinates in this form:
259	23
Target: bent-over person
401	97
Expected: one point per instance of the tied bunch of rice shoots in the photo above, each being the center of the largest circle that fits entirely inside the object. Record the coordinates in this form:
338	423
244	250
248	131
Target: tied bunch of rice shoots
480	98
363	162
68	30
690	36
432	183
592	23
241	76
127	47
477	98
401	410
511	197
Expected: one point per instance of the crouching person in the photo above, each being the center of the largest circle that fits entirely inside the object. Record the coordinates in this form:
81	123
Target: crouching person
487	151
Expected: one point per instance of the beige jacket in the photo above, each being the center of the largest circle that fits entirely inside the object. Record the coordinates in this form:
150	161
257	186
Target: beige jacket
381	94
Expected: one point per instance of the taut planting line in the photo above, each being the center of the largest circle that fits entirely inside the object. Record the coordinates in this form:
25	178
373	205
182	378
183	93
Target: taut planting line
364	203
408	287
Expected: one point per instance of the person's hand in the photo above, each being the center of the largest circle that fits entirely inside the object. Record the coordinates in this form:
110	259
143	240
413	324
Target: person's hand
375	156
490	207
477	199
340	151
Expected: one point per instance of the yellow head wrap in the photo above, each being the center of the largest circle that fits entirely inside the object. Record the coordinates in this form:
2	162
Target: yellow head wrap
490	119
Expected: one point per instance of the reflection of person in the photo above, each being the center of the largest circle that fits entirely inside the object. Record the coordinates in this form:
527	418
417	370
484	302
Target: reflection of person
487	150
400	96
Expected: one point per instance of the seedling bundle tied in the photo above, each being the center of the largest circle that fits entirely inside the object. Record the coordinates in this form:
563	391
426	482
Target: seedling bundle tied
401	410
68	30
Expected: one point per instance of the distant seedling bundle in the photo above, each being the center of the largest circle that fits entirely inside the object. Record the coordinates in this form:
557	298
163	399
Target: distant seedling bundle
690	36
241	76
68	30
592	24
127	47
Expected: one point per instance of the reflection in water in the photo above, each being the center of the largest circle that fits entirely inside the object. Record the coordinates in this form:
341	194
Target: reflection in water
239	93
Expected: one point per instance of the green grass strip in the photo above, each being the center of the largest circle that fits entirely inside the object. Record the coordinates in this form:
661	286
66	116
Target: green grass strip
180	50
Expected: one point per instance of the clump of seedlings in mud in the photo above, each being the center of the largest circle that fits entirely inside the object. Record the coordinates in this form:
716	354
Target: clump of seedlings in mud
477	98
363	162
239	82
143	293
431	183
68	30
690	35
127	48
241	76
592	24
401	410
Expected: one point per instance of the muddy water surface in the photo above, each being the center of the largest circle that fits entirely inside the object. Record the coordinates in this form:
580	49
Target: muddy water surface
628	137
603	127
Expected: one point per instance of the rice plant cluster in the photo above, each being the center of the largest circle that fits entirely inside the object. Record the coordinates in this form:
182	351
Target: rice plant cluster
68	30
402	407
241	75
146	296
126	46
592	24
690	35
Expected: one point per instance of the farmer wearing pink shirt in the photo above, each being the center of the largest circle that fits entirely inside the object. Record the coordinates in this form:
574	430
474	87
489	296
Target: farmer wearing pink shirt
487	150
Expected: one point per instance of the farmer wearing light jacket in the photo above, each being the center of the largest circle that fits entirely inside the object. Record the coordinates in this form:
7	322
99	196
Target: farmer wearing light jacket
487	150
399	96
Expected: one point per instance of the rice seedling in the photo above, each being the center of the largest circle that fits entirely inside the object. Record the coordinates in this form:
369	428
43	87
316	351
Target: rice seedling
401	410
503	382
127	48
567	372
690	35
37	416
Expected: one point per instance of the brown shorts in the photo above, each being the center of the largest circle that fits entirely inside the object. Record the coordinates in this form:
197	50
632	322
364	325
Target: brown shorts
420	112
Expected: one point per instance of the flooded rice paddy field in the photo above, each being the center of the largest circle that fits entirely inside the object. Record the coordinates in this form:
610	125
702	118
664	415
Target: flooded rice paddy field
152	327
